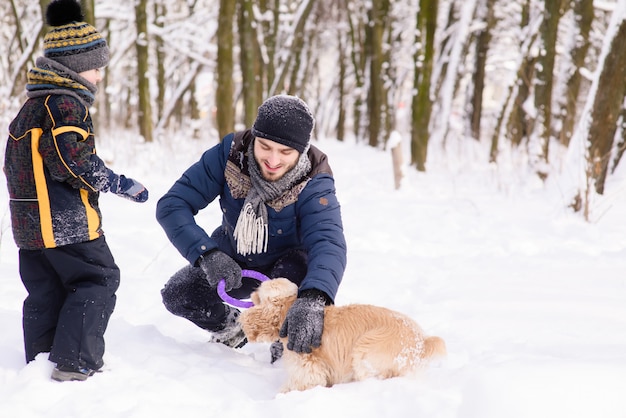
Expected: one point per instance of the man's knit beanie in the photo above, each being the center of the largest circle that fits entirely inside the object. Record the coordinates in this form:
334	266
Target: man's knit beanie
71	41
286	120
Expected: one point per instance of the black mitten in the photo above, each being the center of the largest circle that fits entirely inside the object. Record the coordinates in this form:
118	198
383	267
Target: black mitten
217	266
128	188
304	323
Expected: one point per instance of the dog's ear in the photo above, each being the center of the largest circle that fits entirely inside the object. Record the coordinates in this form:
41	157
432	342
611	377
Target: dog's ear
283	288
274	291
254	297
261	323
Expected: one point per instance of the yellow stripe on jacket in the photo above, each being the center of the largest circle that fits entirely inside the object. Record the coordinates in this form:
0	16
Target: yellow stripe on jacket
93	220
43	199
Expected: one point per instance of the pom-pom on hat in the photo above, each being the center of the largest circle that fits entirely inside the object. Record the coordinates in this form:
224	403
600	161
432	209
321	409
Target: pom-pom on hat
286	120
71	41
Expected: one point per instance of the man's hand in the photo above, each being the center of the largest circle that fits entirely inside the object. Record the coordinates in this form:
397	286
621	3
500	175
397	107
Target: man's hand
217	266
304	323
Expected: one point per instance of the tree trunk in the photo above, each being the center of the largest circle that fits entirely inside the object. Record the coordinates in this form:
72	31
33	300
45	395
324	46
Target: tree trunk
517	120
421	105
517	123
18	74
297	33
89	12
269	29
300	55
144	112
444	46
252	87
397	161
357	43
486	15
341	92
621	146
224	91
607	108
583	16
376	91
391	81
543	84
104	116
160	10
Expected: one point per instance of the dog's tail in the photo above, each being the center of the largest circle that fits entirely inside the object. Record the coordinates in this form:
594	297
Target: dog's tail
434	347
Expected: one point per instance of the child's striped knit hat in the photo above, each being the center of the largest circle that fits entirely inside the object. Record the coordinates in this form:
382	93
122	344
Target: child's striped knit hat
71	41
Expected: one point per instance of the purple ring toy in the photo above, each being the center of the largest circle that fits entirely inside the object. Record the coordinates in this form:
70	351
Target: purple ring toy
221	289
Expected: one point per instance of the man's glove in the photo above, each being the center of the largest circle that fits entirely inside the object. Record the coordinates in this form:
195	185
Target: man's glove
128	188
217	266
305	322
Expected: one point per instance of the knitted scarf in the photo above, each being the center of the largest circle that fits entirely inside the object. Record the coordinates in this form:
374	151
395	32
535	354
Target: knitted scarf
251	231
50	77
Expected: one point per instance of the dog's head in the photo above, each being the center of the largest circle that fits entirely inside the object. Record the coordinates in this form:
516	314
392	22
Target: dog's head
272	300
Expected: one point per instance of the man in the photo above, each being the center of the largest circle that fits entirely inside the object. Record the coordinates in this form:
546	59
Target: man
280	217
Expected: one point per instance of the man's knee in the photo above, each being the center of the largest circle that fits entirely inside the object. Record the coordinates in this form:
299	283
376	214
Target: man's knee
187	289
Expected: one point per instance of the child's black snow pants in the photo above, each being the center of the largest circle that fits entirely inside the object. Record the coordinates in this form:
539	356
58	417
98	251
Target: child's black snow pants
71	295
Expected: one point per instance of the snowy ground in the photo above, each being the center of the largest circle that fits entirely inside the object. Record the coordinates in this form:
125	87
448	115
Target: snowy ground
530	299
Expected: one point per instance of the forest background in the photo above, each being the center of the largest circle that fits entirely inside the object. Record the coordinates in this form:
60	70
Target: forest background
538	83
511	116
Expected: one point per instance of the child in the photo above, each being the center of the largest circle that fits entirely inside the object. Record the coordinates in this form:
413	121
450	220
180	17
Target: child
54	178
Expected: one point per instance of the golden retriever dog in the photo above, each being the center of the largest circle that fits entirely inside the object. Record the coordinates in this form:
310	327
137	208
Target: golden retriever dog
358	342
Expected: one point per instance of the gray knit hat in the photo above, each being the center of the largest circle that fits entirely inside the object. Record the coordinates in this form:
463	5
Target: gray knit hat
71	41
286	120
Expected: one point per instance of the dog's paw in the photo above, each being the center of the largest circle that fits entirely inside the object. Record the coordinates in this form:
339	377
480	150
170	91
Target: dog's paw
276	350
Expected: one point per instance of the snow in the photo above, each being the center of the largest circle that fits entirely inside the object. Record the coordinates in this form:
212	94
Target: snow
530	299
